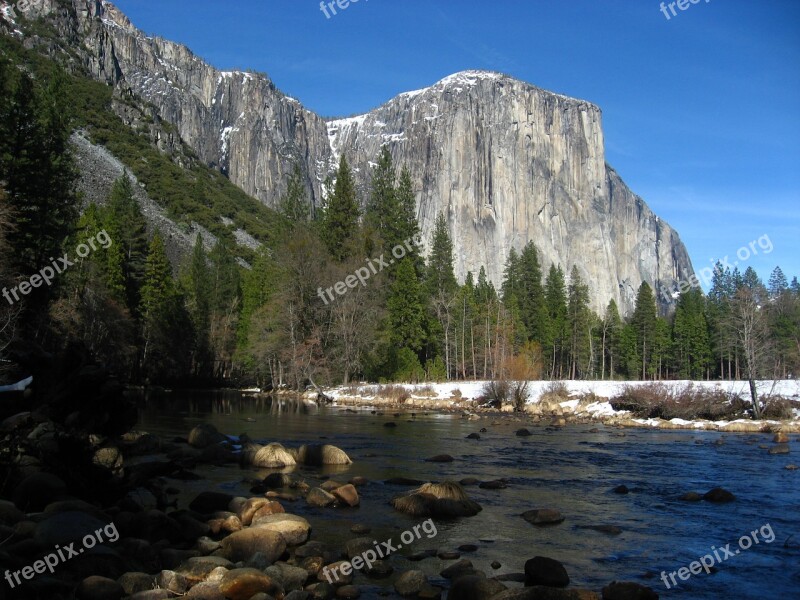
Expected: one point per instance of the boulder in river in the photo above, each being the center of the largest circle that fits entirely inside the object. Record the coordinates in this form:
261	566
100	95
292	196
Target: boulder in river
243	584
37	491
543	516
475	587
294	529
440	458
719	496
209	502
628	590
445	500
347	495
691	497
317	455
319	497
411	583
99	588
541	570
242	545
271	456
539	592
205	435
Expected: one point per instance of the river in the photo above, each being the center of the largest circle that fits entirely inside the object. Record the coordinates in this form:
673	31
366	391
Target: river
574	470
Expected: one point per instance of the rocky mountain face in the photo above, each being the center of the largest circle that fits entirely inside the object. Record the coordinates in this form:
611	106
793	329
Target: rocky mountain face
506	162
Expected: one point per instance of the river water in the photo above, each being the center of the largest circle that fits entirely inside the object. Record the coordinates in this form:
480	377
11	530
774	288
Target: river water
573	470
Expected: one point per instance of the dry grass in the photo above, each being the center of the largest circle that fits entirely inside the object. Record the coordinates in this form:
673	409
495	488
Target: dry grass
444	500
426	391
591	398
318	455
394	393
271	456
558	389
449	490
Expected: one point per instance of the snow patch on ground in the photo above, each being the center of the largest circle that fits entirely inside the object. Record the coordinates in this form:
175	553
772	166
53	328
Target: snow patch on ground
604	390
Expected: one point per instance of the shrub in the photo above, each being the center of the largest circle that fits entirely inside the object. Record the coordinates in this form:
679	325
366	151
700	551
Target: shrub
557	388
778	408
496	393
657	400
395	393
408	367
426	391
435	369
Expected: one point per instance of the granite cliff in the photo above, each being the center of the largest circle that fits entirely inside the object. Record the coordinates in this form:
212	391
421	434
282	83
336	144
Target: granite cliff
505	161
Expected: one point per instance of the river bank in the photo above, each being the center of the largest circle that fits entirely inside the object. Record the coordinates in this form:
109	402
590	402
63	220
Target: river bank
572	402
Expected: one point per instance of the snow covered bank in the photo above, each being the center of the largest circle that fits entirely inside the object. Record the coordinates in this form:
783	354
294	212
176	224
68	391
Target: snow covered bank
589	400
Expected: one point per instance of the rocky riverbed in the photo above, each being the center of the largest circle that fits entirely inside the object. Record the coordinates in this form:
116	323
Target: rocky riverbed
136	542
84	481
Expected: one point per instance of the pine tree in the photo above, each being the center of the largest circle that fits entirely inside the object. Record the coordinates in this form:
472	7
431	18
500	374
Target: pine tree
225	281
484	290
407	308
159	287
661	349
441	279
167	331
295	206
409	224
533	306
512	276
384	212
105	263
340	219
258	286
197	286
723	342
38	170
610	341
127	227
440	289
690	338
579	323
777	283
644	323
555	341
795	286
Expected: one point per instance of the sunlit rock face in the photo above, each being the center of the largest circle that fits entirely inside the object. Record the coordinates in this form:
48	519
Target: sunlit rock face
505	161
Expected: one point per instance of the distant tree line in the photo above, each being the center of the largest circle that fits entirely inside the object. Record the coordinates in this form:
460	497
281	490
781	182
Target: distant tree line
213	319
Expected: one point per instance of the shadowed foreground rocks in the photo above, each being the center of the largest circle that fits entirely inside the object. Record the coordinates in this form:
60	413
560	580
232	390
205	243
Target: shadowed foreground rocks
221	546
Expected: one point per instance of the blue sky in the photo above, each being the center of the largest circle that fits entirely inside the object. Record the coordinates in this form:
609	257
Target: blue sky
701	111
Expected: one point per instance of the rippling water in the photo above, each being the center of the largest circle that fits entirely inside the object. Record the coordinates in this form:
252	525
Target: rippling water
572	470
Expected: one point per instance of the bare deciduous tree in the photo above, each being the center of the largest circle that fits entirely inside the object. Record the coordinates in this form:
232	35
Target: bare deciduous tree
749	323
